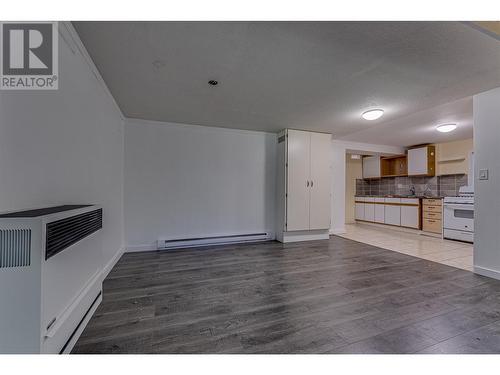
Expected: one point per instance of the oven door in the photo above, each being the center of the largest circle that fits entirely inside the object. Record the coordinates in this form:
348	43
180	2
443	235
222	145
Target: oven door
459	216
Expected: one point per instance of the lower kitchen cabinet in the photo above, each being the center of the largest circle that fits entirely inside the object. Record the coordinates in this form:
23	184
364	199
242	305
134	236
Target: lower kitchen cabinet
369	209
379	210
359	210
432	225
432	216
410	213
392	211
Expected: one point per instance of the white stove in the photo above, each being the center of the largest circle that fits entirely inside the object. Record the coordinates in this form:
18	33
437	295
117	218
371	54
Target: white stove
458	216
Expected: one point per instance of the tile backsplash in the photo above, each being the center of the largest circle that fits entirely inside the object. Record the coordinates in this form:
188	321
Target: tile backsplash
438	185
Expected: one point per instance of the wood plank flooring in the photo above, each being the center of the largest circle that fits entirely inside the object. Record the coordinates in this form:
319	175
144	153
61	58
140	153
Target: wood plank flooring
332	296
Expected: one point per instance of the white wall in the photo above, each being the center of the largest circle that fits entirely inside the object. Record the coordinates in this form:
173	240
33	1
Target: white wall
186	180
454	150
338	188
487	192
64	146
353	171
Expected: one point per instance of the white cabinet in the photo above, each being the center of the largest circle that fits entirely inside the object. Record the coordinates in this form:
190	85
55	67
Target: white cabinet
379	210
370	209
403	212
392	211
298	173
371	167
422	161
304	183
320	178
359	211
410	212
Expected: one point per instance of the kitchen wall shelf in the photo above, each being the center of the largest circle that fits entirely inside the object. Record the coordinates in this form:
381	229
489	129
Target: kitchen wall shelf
394	166
452	160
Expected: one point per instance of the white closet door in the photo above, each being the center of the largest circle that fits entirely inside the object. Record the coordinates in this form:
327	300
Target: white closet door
321	180
298	180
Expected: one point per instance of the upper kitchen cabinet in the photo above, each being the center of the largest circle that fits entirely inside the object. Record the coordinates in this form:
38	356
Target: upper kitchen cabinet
422	161
371	167
394	166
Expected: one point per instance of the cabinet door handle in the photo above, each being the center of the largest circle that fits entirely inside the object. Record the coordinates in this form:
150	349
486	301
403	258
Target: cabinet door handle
311	183
307	184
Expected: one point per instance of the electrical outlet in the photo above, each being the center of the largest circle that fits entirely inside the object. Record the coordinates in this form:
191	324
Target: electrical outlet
483	174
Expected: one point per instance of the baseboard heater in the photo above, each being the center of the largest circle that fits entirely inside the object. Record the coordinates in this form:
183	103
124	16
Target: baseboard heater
175	243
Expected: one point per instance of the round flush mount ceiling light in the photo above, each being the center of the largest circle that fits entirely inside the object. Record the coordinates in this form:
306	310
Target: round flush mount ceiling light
445	128
372	114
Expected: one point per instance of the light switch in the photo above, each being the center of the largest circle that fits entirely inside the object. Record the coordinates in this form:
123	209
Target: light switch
483	174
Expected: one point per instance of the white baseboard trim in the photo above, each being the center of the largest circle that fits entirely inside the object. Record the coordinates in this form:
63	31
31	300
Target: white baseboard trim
109	266
334	231
487	272
76	335
139	248
304	235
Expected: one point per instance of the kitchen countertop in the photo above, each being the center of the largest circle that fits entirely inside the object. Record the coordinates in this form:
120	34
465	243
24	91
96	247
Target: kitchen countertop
401	196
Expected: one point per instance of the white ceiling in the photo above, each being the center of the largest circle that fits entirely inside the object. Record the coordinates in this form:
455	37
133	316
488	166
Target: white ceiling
420	127
307	75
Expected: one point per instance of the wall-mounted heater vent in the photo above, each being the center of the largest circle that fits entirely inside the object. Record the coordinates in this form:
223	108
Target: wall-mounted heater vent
172	243
63	233
50	276
15	248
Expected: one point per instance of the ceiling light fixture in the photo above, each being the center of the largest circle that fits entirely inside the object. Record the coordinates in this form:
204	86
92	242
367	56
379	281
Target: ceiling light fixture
445	128
372	114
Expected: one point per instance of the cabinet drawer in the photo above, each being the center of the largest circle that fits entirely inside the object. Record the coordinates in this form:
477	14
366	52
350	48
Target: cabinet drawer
414	201
392	200
433	215
431	225
432	209
432	202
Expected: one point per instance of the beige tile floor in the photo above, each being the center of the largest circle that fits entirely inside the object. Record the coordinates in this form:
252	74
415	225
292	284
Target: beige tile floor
452	253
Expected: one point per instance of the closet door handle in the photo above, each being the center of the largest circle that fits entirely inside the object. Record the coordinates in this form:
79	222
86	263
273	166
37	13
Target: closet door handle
307	184
312	183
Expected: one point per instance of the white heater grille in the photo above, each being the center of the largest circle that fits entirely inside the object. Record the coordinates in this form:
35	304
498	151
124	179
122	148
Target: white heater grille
15	248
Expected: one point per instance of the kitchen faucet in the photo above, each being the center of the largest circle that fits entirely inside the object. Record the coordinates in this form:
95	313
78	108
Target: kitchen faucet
412	189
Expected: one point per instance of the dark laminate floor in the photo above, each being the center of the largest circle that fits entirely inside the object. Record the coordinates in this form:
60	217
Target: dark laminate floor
333	296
